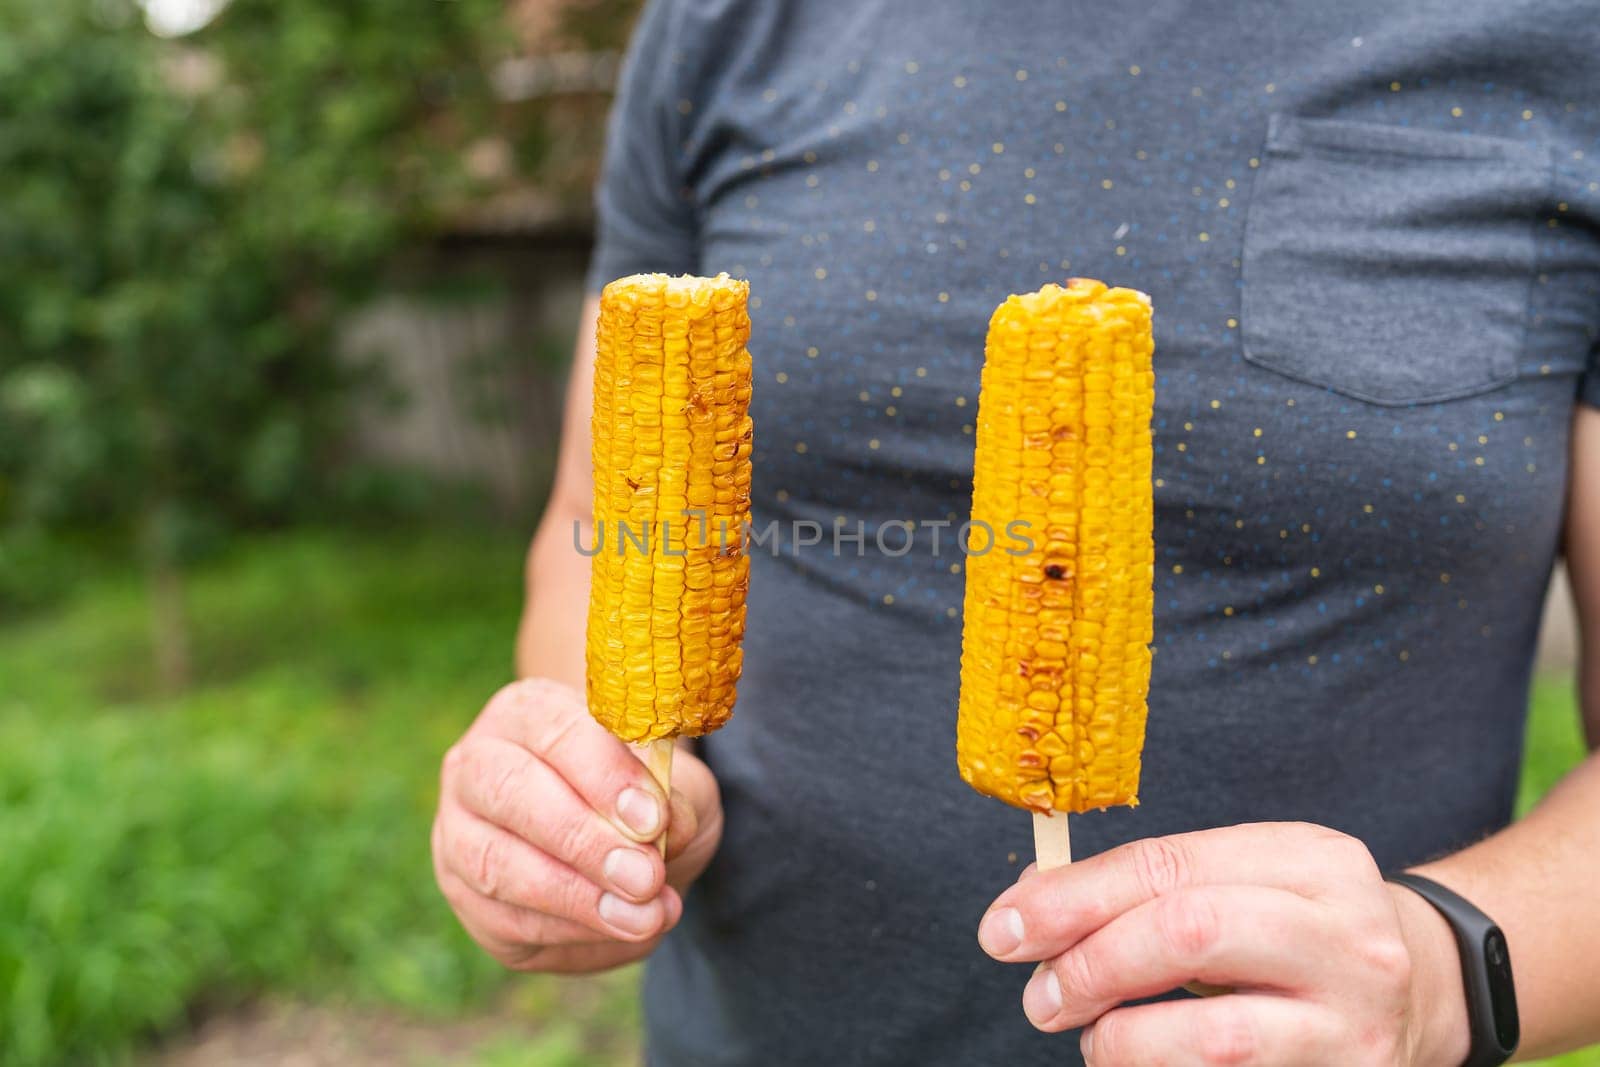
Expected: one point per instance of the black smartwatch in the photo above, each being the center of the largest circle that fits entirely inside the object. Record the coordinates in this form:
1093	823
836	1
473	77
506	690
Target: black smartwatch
1485	967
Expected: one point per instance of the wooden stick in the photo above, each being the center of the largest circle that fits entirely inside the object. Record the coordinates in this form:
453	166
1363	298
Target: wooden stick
657	756
1052	841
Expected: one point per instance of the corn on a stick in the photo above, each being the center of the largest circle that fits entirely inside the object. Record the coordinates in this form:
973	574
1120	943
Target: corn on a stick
1055	664
671	453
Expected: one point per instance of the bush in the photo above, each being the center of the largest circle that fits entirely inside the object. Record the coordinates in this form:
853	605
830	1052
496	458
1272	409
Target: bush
184	224
268	830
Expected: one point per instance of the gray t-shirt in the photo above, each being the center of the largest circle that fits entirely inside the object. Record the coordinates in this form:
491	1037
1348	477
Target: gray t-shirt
1372	235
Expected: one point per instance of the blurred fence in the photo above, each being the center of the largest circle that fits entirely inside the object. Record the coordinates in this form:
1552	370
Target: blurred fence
477	384
1558	636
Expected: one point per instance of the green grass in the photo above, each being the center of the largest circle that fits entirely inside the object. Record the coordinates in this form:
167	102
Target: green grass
582	1023
1554	742
267	831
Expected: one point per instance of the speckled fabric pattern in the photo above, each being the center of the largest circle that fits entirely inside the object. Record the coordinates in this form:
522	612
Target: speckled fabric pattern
1372	235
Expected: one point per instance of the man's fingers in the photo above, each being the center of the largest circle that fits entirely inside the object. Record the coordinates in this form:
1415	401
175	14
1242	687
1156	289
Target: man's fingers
497	864
542	841
1048	913
504	785
1256	1030
528	940
587	959
510	932
1242	936
551	721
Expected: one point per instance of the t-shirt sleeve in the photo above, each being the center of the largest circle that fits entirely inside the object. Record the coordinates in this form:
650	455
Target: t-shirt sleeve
645	219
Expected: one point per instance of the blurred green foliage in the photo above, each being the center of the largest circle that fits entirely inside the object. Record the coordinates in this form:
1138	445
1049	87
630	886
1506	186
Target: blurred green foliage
183	225
267	830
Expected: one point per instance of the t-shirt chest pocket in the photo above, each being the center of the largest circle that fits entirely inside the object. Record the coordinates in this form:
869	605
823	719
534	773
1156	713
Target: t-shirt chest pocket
1390	264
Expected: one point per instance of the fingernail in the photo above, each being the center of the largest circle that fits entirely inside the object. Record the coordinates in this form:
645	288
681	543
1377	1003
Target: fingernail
628	917
1001	931
1041	1001
640	811
629	871
1086	1042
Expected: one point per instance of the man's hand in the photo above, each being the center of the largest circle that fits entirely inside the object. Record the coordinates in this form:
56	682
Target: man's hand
542	841
1319	960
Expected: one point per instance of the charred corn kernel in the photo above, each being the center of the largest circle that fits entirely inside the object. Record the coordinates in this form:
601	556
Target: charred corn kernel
1055	656
671	453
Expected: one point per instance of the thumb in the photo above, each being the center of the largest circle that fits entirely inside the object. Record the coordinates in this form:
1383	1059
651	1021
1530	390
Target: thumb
695	825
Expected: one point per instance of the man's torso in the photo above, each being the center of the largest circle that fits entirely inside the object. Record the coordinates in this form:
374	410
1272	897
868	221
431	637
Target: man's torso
1370	234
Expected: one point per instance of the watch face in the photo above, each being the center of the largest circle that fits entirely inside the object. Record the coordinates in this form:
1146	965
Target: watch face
1502	992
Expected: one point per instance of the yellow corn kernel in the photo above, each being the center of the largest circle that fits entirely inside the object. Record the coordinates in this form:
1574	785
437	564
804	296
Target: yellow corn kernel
671	438
1055	656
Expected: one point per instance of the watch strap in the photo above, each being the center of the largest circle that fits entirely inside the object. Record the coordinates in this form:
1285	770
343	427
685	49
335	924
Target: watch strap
1485	970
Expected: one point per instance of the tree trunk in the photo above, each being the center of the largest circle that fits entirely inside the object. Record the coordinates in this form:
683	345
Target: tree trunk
169	618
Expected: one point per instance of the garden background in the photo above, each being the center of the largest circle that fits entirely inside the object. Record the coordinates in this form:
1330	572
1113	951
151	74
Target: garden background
286	288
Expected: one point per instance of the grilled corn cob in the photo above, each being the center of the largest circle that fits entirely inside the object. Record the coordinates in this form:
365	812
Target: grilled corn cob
671	454
1055	659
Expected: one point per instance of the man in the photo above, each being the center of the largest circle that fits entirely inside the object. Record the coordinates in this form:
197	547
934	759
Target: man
1372	236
